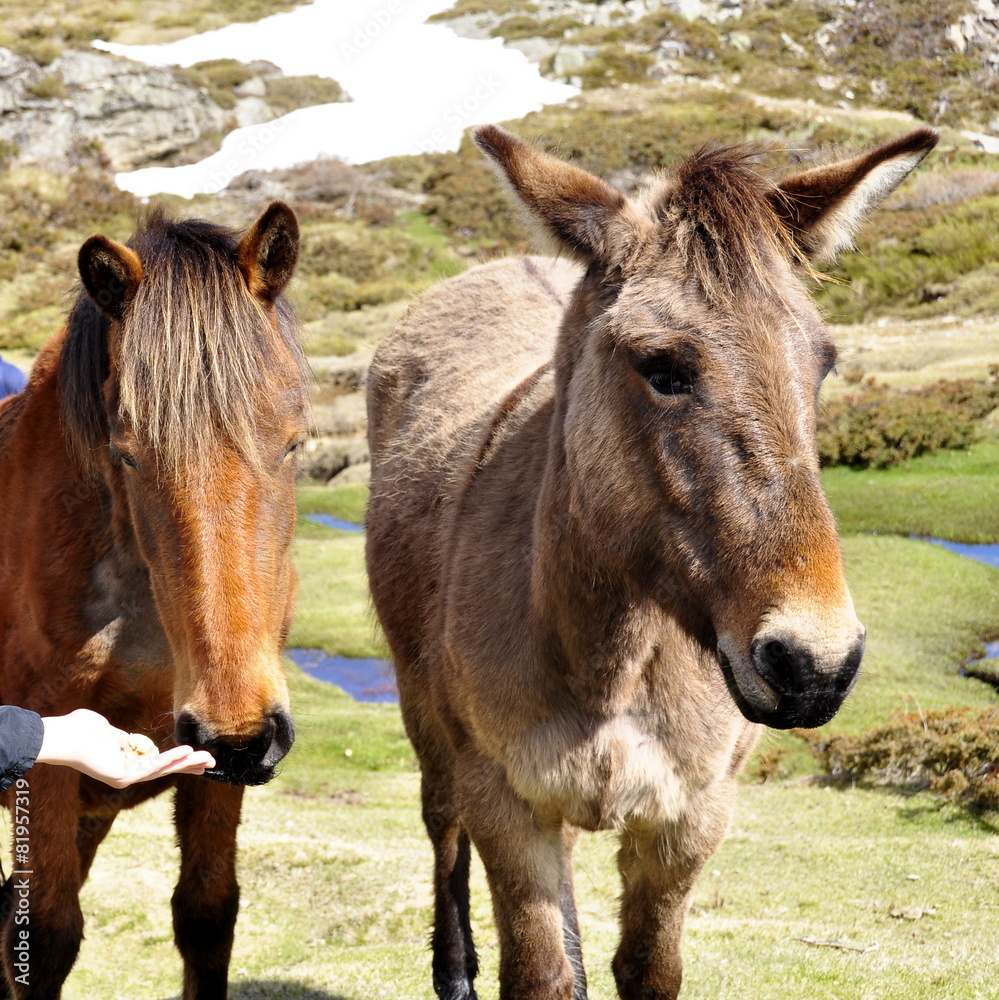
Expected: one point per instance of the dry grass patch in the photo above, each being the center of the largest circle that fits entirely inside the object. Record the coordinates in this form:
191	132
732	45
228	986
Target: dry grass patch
911	354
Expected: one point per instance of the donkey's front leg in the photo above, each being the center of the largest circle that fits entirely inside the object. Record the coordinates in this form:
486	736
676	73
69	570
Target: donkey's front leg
659	871
42	920
524	857
206	899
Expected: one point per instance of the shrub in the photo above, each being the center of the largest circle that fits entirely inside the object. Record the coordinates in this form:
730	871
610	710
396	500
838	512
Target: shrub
42	50
616	65
953	751
286	93
465	7
49	88
529	27
879	426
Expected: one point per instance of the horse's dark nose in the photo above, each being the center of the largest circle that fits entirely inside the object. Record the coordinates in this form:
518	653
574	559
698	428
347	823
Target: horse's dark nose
240	760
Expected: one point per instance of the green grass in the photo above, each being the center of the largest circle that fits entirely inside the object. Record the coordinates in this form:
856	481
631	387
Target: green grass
336	899
925	610
348	503
949	494
335	866
333	610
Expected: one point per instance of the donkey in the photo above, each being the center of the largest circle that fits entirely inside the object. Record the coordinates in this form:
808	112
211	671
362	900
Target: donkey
598	543
147	505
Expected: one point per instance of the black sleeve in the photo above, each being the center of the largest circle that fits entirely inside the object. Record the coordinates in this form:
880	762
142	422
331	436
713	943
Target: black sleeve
20	742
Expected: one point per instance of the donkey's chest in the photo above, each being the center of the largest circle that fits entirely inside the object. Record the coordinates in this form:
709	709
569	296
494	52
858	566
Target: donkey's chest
608	774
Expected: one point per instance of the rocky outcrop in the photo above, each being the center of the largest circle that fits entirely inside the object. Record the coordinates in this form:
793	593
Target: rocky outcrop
88	104
84	102
338	448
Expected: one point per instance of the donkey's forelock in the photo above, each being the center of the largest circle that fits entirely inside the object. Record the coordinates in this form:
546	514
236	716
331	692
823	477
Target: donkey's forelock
192	349
715	210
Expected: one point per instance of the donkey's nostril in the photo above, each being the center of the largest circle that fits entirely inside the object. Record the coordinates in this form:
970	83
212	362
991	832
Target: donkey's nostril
779	663
775	651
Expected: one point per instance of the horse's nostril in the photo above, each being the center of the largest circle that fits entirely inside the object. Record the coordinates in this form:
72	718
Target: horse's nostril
187	731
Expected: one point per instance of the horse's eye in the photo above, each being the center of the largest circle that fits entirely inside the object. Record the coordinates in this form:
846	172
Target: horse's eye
671	380
293	447
118	455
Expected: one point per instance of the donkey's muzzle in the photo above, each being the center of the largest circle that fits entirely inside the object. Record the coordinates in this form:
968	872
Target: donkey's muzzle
240	760
787	683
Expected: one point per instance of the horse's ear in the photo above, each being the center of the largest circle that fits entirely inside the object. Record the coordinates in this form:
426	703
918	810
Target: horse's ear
111	273
579	210
268	252
824	207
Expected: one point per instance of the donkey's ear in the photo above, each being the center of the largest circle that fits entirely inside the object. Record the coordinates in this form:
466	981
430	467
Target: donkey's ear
824	207
579	210
268	252
111	273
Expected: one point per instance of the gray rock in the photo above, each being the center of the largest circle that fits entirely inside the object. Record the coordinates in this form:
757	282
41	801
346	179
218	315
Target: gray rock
570	59
324	458
136	114
254	87
537	50
360	473
739	40
252	111
337	376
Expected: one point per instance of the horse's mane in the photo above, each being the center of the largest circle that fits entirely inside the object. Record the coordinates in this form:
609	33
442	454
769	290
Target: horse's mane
717	213
193	348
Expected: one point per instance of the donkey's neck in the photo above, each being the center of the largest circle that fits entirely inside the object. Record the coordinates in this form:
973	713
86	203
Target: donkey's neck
597	622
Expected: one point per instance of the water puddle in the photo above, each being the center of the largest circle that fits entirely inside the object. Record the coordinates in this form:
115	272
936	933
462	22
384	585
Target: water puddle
334	522
363	680
986	553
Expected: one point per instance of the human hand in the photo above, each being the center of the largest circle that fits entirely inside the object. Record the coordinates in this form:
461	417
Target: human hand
86	741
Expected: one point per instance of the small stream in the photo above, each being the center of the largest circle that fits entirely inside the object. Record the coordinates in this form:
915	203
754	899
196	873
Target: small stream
363	680
984	553
373	680
334	522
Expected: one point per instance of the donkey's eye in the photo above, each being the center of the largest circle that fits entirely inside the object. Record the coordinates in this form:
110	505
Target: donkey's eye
670	380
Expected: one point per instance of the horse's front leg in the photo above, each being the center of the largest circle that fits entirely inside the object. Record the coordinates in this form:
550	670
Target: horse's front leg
659	871
42	920
206	899
524	857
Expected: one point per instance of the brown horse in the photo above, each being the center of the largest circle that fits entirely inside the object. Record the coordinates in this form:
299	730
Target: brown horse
147	504
598	543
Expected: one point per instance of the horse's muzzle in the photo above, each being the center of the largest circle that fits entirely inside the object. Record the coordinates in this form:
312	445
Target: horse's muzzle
240	760
786	683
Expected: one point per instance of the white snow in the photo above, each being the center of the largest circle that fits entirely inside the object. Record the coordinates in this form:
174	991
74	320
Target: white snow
415	87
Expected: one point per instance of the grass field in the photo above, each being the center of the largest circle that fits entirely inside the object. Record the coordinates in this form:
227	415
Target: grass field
335	865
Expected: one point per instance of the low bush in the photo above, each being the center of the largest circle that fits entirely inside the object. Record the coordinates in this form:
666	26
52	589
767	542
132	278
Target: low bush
287	93
880	426
953	751
465	7
528	27
616	65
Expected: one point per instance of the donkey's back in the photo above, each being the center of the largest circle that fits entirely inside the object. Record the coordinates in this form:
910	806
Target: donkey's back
456	367
460	349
